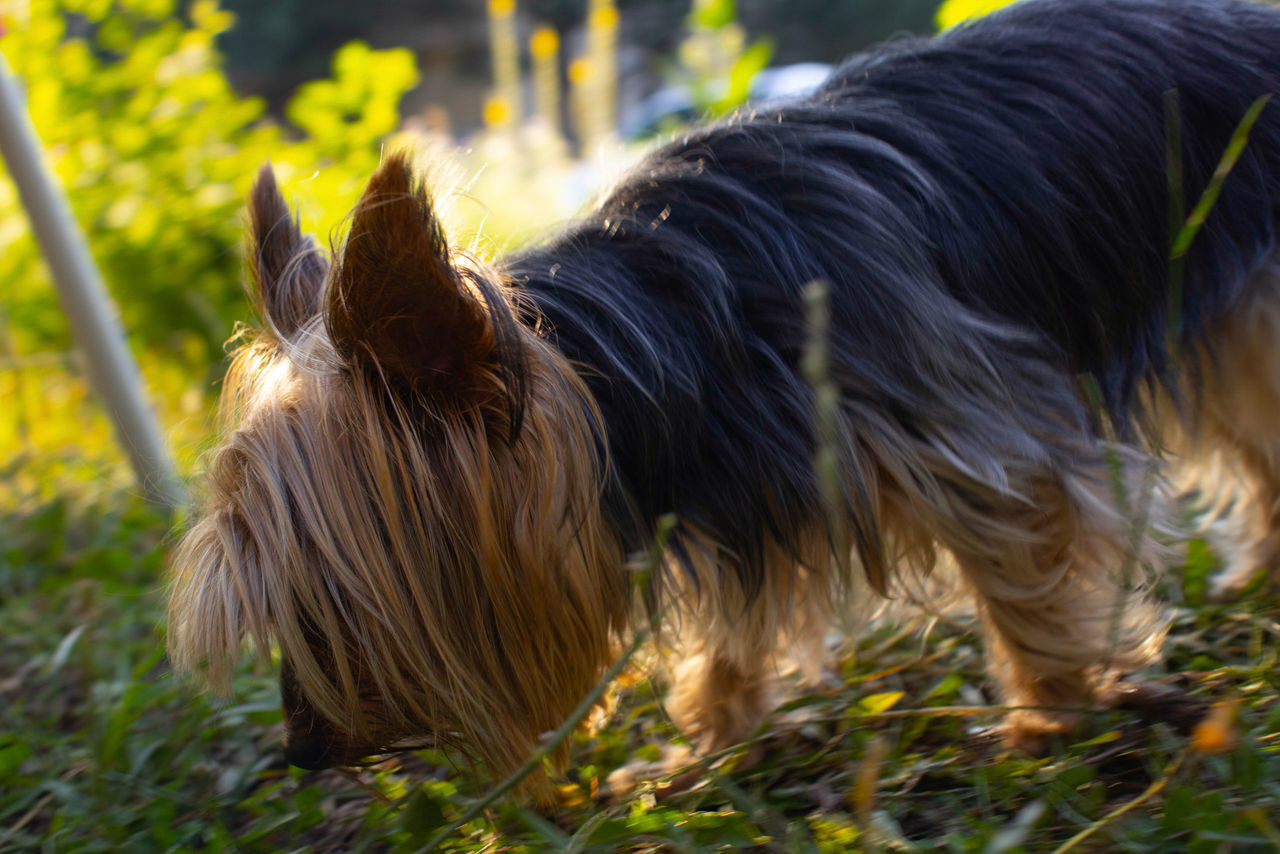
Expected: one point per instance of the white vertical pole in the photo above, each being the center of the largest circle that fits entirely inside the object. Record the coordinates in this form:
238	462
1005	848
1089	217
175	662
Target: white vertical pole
94	322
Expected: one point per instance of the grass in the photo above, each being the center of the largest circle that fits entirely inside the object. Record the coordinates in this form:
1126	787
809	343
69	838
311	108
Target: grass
102	749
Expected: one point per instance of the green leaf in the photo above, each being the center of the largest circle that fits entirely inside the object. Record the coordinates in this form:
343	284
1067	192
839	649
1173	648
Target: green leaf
12	754
1201	562
1105	738
423	815
752	61
878	703
713	14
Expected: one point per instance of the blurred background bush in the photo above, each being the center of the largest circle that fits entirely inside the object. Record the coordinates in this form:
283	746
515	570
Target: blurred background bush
156	113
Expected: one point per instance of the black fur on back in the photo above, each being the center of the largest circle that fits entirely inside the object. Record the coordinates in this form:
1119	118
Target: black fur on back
990	211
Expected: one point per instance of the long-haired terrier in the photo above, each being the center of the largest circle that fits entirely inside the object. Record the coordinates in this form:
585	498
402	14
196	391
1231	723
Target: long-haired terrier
437	470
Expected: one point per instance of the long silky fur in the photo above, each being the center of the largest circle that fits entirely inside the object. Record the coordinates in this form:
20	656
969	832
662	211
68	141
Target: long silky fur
989	211
365	598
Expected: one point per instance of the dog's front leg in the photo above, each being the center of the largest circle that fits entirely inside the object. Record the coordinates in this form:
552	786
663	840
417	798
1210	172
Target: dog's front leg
1061	625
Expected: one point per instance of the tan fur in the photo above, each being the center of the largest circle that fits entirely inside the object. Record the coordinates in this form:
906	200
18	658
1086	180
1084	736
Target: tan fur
1234	430
516	589
1060	620
730	645
1042	553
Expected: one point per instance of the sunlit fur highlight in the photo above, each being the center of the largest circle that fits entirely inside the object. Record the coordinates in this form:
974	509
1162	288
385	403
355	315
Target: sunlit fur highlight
1230	436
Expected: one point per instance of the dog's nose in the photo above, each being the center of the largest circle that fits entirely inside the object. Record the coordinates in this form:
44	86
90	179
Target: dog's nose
307	755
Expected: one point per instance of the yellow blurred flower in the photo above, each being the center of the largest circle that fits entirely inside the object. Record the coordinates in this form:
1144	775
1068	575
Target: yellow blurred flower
544	43
1217	733
497	112
604	18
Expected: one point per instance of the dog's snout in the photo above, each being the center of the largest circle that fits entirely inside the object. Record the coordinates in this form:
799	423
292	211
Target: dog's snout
306	754
306	742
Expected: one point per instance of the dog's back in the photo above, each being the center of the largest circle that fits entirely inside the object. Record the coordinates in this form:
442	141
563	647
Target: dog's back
991	212
1043	134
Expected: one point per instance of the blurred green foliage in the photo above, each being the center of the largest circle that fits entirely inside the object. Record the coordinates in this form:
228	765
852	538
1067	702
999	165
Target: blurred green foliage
155	152
717	64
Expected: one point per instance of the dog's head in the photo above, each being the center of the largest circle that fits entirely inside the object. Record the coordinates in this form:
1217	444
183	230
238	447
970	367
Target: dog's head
404	499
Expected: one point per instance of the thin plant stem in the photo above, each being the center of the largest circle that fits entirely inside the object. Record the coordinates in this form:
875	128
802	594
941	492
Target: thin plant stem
816	366
1177	216
1154	789
1209	197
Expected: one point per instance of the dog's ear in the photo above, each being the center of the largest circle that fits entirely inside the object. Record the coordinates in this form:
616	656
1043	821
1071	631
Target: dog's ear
287	269
396	303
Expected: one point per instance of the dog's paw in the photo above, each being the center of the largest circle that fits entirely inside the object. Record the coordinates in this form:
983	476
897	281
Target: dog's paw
679	769
1243	564
1238	573
675	771
1230	584
1035	732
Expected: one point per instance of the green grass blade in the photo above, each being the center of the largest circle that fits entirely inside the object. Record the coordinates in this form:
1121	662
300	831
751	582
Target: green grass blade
1209	197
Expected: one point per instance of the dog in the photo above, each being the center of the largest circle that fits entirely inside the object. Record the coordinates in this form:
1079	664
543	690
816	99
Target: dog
436	473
